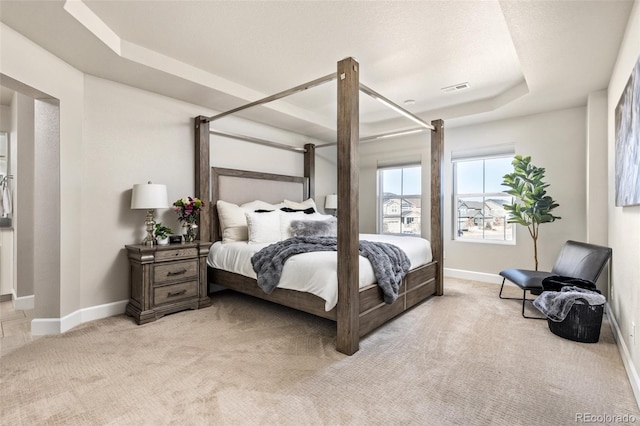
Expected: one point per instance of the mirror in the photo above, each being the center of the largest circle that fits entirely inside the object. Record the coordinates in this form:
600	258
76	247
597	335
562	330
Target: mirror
4	154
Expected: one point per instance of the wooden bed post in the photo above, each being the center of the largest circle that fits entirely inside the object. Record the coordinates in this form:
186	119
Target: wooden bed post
203	175
437	195
348	308
310	168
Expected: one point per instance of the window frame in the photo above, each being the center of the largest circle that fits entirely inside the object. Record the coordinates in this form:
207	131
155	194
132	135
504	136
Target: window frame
482	195
381	199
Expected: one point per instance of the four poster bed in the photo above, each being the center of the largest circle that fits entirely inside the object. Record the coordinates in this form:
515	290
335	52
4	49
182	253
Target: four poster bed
360	308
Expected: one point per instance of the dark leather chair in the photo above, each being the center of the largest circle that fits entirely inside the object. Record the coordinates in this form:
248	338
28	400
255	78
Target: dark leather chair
576	259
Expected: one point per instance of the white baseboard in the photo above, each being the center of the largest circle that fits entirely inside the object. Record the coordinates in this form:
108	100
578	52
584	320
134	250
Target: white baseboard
632	373
47	326
23	303
474	276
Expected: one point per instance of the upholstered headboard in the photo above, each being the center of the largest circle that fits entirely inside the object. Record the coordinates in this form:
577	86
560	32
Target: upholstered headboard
241	186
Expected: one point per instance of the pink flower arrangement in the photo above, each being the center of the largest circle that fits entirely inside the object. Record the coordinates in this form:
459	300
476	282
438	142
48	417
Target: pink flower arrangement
188	209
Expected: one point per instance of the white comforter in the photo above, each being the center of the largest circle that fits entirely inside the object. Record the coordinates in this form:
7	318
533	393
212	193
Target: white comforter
314	272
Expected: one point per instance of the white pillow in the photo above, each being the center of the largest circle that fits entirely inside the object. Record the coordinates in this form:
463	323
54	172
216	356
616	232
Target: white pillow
263	227
301	206
233	223
287	218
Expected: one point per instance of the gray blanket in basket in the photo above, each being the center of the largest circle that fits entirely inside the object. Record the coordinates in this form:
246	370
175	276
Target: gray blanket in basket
556	305
390	263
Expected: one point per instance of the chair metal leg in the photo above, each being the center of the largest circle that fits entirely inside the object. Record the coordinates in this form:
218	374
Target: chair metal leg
507	298
501	287
524	299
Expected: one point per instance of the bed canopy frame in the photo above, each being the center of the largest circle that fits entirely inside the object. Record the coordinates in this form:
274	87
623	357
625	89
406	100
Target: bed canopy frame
348	309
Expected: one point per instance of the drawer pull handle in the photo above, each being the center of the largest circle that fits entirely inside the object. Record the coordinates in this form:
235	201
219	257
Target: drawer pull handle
176	293
180	272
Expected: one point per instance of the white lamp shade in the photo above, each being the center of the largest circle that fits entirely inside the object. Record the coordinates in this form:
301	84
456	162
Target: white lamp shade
149	196
331	202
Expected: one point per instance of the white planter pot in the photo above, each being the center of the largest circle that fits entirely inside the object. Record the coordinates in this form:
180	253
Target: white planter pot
163	241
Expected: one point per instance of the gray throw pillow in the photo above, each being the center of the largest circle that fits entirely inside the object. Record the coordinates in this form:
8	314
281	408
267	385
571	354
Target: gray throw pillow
314	228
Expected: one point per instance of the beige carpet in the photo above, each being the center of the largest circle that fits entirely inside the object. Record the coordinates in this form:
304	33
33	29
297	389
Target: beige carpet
466	358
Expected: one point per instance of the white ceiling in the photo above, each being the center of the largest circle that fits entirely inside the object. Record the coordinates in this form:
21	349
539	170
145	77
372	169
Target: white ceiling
519	57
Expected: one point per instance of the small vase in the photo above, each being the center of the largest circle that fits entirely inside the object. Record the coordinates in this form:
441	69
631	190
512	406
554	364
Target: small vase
190	231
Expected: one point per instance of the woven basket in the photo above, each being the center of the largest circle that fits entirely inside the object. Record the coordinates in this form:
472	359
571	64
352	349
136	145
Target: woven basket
582	324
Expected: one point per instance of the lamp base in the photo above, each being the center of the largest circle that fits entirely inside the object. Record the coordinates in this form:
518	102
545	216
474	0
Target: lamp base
150	222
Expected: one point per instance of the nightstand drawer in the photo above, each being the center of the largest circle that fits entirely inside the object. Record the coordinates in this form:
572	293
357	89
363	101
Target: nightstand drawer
175	271
175	292
162	255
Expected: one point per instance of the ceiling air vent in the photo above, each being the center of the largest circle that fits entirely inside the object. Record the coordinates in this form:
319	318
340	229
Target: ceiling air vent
455	87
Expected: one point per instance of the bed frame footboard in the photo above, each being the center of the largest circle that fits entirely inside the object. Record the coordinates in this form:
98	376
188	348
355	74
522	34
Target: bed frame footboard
418	285
306	302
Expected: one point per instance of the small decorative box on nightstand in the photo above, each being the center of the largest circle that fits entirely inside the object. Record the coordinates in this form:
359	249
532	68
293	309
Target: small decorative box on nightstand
167	279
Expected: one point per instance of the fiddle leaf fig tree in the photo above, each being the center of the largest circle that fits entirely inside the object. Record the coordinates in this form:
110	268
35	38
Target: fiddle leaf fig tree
531	205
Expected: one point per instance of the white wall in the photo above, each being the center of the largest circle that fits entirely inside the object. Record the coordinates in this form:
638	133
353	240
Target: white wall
22	138
6	261
46	204
624	222
596	178
597	168
5	118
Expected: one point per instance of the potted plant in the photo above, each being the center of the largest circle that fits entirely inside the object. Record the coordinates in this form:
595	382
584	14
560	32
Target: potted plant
531	205
162	234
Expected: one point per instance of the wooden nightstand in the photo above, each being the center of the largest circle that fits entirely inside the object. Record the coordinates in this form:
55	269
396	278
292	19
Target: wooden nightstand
167	279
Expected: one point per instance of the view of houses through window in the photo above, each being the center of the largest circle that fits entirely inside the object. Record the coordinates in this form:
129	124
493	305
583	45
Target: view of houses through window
479	199
400	199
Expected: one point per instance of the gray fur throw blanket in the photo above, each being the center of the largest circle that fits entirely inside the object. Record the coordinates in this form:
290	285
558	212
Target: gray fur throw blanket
555	305
389	262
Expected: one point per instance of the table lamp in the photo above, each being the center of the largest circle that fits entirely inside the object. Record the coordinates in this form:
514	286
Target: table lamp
149	196
331	203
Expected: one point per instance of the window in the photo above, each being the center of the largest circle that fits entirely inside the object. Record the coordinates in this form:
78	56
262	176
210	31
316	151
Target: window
479	198
400	195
